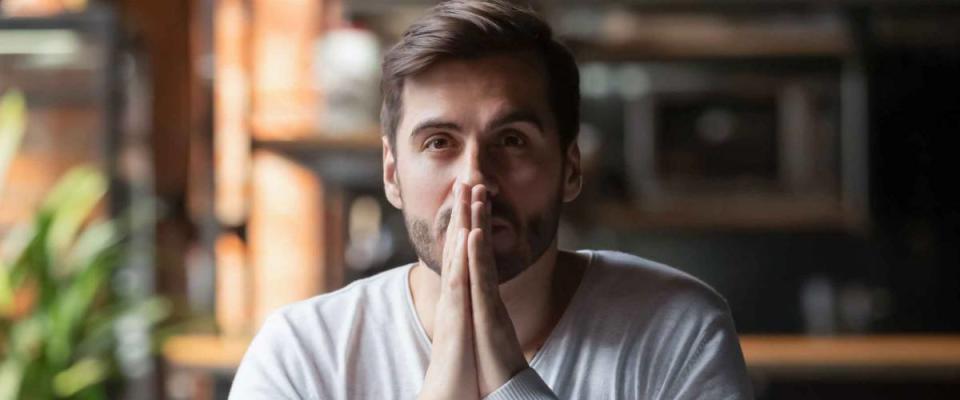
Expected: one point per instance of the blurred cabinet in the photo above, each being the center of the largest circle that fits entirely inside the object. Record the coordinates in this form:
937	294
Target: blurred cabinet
67	67
87	98
88	104
727	120
281	185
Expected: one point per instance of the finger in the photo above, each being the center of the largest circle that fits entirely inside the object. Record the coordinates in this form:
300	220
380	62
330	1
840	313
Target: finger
460	214
463	216
488	220
454	298
456	284
487	305
458	279
478	195
449	243
483	269
480	218
458	217
454	224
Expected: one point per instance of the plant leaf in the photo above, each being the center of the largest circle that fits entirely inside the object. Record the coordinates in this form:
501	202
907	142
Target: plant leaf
11	377
70	202
72	305
90	243
6	290
13	123
81	375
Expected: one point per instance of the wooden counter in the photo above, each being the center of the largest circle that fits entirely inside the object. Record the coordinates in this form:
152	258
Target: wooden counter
871	356
861	356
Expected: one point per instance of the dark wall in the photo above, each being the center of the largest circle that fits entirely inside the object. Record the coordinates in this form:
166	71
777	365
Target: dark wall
915	123
907	263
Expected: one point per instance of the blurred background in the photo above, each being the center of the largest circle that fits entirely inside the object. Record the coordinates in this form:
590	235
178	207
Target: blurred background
174	170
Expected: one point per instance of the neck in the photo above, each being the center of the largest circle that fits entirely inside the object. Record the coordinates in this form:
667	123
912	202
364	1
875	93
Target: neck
535	299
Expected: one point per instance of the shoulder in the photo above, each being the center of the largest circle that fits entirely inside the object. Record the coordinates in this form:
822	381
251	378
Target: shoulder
628	278
680	328
666	322
302	342
365	298
319	324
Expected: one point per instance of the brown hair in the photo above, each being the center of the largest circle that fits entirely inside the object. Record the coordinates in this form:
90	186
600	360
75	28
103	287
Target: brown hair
463	29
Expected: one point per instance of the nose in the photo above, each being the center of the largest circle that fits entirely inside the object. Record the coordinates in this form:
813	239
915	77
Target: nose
478	168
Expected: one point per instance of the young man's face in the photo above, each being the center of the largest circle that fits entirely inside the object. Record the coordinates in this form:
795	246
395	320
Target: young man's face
486	121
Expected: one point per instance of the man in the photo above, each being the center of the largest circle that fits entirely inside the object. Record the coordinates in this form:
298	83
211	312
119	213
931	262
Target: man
480	116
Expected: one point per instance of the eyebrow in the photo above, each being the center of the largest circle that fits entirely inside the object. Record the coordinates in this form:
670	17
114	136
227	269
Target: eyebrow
506	119
433	123
516	116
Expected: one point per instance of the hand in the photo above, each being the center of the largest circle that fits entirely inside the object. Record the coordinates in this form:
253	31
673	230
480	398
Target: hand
498	352
475	349
452	373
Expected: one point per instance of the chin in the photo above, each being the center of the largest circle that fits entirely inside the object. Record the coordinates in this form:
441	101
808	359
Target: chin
510	265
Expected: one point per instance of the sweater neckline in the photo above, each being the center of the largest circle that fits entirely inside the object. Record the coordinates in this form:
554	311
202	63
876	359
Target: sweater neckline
554	333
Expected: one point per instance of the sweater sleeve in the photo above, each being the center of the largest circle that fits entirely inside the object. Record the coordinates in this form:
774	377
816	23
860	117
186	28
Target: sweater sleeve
526	385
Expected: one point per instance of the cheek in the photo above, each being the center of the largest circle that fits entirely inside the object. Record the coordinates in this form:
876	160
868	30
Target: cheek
424	189
539	173
525	175
533	185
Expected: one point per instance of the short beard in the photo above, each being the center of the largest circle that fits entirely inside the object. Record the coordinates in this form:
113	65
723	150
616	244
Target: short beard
534	237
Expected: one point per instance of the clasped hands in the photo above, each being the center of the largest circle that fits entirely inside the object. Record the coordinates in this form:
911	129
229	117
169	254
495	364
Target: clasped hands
474	348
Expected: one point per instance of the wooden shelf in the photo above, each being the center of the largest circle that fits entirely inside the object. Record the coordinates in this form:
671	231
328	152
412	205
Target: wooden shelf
738	213
354	161
363	142
869	356
205	352
653	46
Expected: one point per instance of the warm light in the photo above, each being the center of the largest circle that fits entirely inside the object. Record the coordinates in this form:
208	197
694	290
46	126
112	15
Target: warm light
231	107
233	287
283	36
285	232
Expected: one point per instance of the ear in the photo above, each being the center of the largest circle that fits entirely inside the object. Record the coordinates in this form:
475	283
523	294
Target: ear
391	186
572	174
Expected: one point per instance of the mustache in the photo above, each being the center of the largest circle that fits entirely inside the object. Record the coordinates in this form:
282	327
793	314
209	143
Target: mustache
498	209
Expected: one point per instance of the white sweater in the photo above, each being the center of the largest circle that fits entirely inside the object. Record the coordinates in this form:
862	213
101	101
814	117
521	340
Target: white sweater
634	329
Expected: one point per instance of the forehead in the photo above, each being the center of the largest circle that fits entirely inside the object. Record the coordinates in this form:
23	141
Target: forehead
474	90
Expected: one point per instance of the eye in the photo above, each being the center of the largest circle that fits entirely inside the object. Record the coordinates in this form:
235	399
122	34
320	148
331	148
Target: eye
438	142
513	140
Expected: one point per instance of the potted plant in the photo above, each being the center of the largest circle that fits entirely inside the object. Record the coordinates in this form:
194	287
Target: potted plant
61	319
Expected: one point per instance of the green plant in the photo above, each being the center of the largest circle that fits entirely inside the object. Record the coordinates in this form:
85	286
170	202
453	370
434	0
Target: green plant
59	313
13	122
